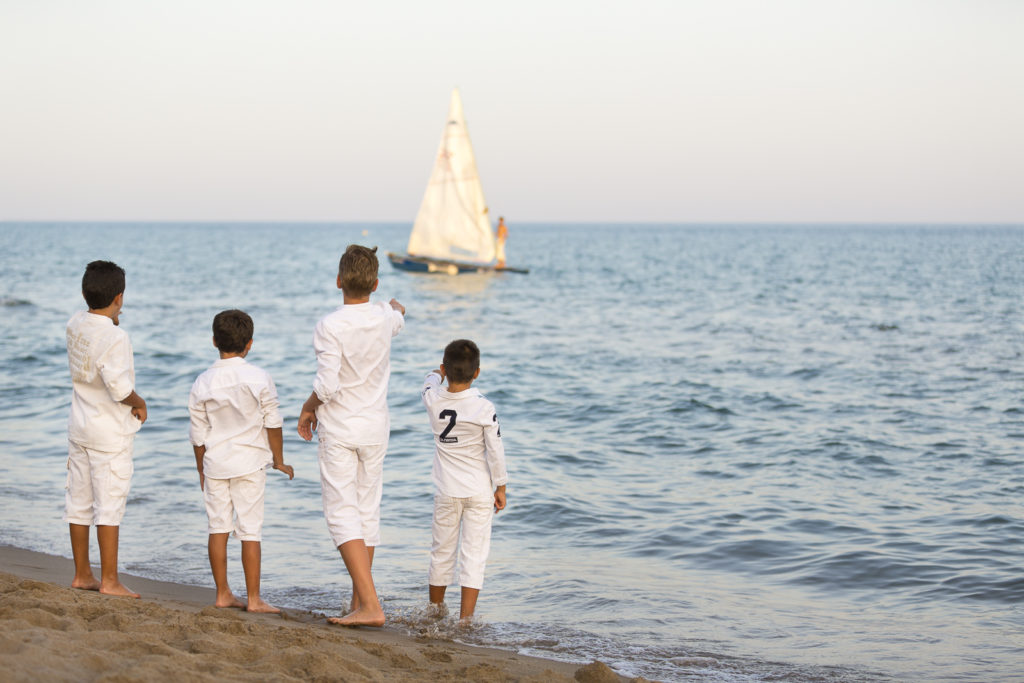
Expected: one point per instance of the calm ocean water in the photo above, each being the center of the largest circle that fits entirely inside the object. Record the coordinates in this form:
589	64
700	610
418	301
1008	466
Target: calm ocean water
737	453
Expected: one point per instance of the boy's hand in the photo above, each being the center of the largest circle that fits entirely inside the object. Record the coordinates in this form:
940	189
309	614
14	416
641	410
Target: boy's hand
137	404
397	306
307	424
287	469
499	499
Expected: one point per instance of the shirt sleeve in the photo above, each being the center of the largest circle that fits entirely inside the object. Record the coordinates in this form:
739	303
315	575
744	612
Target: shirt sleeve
398	322
115	368
328	365
433	381
269	405
199	422
494	451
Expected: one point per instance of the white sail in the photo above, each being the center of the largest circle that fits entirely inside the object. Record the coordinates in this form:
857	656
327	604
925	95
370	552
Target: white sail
452	223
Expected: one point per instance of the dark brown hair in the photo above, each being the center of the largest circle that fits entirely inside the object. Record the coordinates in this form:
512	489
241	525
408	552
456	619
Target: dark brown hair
461	360
102	281
232	330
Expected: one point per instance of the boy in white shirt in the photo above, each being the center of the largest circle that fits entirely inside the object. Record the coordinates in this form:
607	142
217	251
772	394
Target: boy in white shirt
469	474
348	409
105	415
235	429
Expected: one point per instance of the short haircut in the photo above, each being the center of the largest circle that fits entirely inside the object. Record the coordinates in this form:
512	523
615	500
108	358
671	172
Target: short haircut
232	330
461	360
358	270
103	280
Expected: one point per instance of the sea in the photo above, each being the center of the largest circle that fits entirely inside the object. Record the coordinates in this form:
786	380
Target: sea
736	452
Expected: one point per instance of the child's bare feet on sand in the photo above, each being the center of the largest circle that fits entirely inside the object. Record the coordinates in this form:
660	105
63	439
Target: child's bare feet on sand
258	605
360	617
87	584
229	600
117	589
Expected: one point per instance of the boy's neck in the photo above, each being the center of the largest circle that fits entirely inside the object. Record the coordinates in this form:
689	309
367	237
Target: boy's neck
112	310
233	354
456	387
350	300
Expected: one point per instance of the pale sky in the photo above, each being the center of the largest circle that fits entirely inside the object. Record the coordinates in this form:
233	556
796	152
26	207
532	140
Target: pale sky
579	110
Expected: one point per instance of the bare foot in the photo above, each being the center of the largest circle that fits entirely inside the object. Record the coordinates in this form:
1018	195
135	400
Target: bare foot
230	600
258	605
360	617
87	584
117	589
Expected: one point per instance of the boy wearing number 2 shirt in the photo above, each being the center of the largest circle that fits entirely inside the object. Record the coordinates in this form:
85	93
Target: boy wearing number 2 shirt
469	474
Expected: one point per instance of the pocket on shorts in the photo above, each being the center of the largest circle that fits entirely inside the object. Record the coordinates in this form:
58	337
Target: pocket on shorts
121	476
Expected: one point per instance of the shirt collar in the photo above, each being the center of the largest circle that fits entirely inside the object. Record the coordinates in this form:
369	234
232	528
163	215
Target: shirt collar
234	360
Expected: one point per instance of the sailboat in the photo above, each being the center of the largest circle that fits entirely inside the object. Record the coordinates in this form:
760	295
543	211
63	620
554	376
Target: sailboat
452	233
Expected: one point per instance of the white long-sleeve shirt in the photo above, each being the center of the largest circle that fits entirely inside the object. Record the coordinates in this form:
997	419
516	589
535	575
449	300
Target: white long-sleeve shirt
353	367
469	457
102	375
231	406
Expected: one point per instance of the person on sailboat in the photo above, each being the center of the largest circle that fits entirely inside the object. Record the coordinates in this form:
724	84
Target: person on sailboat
500	245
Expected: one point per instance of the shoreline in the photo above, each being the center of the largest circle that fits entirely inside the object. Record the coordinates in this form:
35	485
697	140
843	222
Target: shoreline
52	632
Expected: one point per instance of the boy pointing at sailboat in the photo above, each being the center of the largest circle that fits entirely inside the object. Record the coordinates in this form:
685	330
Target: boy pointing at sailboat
348	409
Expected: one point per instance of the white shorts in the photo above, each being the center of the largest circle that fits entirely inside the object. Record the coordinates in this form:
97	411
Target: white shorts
97	485
463	524
236	505
351	481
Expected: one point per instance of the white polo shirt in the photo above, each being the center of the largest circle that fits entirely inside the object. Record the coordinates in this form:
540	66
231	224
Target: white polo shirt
469	457
102	375
353	367
230	408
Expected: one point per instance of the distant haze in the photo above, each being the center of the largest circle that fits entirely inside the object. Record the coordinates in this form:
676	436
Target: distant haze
660	110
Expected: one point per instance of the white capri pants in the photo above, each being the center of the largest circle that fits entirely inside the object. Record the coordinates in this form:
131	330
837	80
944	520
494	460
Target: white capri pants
97	485
351	481
462	524
236	505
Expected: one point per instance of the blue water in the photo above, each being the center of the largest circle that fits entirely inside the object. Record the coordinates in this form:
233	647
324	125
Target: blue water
739	453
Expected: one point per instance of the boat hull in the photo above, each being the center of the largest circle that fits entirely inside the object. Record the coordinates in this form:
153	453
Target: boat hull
422	264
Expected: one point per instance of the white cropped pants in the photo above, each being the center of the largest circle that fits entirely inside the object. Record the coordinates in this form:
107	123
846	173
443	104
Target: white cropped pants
97	485
462	527
351	481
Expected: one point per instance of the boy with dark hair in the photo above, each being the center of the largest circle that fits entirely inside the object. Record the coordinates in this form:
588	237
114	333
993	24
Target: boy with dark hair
105	415
469	474
235	429
348	409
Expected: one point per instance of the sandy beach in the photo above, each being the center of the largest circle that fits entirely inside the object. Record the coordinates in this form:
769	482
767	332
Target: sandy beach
51	632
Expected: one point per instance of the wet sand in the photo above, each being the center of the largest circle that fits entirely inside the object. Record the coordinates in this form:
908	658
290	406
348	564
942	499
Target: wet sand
51	632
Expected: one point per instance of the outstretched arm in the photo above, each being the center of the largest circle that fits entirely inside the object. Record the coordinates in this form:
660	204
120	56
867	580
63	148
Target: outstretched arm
307	418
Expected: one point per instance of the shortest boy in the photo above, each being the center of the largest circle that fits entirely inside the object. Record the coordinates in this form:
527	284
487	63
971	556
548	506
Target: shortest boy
235	433
469	474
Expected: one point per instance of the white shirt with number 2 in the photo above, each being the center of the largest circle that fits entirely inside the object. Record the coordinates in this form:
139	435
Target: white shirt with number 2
469	457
